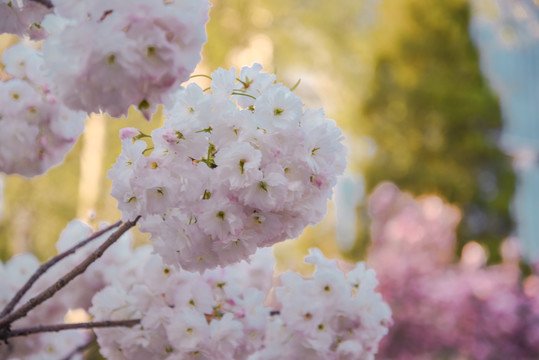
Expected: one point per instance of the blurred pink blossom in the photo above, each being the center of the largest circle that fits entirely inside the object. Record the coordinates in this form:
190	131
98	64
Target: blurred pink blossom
444	308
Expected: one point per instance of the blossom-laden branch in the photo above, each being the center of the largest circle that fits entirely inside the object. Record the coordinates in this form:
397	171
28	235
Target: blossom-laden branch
60	327
53	289
46	266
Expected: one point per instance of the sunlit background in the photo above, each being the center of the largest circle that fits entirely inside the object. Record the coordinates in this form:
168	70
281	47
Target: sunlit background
436	97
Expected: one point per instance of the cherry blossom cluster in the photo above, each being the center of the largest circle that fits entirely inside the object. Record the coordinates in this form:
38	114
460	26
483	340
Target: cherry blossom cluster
229	171
346	321
119	261
37	130
443	309
220	314
134	52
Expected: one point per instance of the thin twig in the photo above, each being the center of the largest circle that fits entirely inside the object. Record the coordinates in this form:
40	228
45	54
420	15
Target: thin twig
61	327
44	267
51	290
200	75
47	3
295	86
81	348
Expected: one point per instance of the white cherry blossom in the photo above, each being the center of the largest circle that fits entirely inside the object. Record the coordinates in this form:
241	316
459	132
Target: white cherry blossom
220	180
223	314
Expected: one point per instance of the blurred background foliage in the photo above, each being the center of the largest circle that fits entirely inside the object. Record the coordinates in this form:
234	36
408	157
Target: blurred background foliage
435	121
401	77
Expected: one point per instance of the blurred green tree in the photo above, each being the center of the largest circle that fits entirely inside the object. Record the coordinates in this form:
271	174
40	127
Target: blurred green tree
434	120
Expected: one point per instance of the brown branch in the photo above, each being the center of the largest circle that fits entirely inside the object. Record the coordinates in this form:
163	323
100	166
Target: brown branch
60	327
47	3
6	321
44	267
81	348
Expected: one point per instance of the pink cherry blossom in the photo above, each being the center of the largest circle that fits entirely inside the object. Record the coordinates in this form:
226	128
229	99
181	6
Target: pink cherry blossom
220	180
